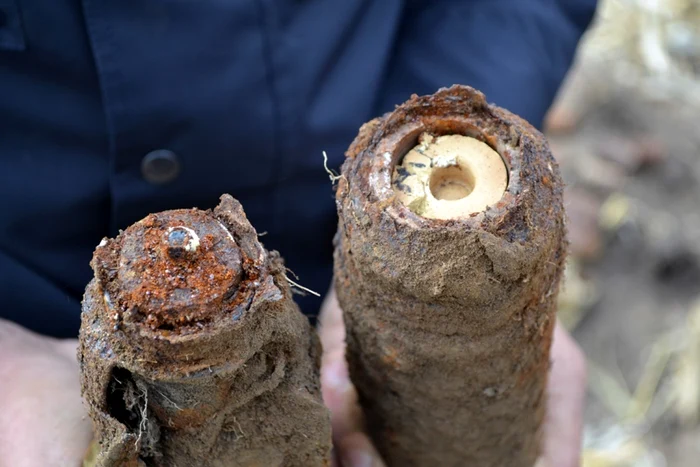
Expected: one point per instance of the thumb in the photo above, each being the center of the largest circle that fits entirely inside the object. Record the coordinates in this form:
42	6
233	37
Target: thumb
338	392
352	446
356	450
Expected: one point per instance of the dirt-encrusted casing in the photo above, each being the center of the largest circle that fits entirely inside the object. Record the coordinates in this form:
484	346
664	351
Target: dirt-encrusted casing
449	322
192	351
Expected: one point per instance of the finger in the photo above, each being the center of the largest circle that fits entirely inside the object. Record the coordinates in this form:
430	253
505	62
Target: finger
566	393
356	450
338	392
331	327
341	399
14	337
68	348
43	421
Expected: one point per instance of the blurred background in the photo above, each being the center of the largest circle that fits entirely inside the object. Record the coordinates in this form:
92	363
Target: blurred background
626	130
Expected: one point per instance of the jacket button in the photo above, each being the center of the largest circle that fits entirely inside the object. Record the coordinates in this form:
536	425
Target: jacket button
160	166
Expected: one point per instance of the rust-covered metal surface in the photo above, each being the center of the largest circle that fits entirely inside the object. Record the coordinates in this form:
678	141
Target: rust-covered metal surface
449	322
193	352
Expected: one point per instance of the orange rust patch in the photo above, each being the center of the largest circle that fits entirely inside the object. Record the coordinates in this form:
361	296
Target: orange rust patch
391	357
167	289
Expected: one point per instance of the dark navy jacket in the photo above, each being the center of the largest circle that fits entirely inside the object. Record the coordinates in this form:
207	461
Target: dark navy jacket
243	95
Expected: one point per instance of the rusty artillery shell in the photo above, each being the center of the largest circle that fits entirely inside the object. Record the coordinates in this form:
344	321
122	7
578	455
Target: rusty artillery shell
193	352
449	321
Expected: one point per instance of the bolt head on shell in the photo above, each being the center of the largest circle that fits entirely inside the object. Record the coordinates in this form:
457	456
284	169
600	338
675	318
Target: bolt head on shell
181	241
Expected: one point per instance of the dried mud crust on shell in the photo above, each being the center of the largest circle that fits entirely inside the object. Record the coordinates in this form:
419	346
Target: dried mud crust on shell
224	375
449	322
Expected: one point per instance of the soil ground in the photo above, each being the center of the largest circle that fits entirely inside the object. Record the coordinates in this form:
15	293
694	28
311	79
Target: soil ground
632	163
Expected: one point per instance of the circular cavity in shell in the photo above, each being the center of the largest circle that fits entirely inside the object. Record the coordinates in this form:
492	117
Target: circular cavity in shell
450	177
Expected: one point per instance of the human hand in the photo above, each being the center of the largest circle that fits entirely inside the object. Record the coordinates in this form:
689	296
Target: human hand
42	419
566	391
352	447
